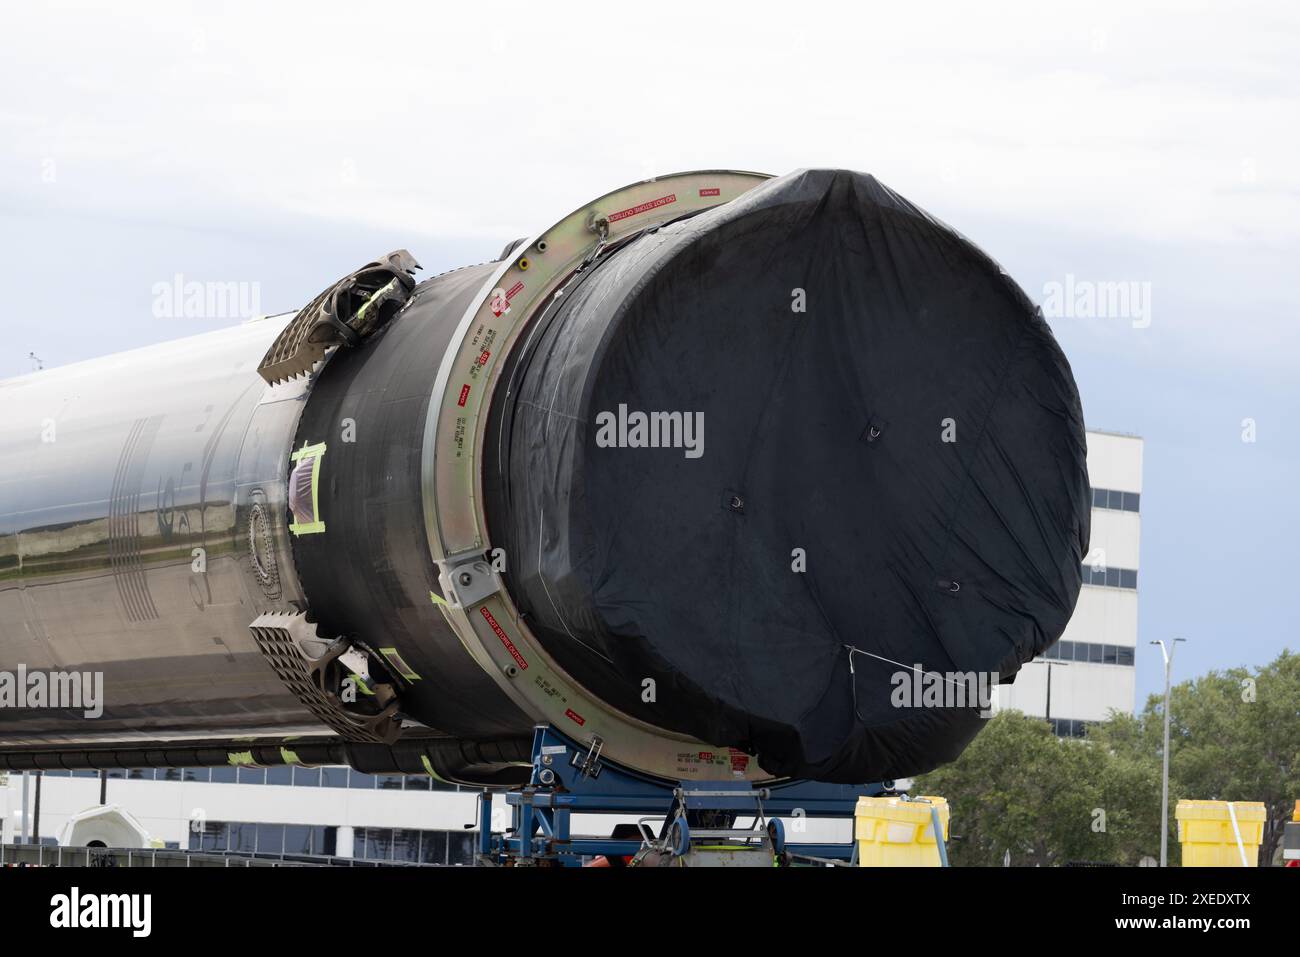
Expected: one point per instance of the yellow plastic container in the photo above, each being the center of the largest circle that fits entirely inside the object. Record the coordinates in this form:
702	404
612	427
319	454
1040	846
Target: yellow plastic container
892	832
1205	831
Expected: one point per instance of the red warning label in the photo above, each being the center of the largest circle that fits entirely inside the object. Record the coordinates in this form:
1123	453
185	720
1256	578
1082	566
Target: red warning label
505	639
643	208
570	713
464	394
714	191
514	290
739	761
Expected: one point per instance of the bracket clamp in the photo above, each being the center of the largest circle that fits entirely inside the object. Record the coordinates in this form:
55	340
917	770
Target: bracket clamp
466	579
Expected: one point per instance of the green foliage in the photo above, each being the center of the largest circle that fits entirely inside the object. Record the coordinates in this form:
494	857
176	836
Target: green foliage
1019	789
1235	736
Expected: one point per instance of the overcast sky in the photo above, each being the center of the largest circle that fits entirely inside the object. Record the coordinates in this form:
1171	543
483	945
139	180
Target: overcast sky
286	146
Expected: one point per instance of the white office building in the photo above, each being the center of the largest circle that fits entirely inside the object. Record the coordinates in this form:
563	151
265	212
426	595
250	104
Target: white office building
331	812
1090	671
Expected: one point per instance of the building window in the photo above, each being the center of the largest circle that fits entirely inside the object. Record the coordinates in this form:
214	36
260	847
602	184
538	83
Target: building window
1110	577
298	838
270	838
210	836
377	843
1090	652
274	839
408	846
1114	500
295	775
396	845
359	780
1069	727
243	838
334	777
460	847
433	847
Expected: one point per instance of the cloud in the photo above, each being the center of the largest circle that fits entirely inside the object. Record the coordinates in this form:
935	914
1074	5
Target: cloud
498	120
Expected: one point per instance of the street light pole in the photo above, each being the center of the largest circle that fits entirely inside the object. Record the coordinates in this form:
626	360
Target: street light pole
25	828
1168	654
1048	708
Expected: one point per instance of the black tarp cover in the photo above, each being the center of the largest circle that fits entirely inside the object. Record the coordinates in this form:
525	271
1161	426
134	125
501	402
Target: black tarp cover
824	431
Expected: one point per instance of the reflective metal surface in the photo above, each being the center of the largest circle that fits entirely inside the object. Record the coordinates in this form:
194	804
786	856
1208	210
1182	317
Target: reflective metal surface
142	527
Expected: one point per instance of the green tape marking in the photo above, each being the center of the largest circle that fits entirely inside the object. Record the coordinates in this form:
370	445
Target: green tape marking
378	296
360	682
428	766
398	662
317	454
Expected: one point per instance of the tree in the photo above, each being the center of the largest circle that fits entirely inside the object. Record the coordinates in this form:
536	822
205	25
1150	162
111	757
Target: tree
1234	736
1019	789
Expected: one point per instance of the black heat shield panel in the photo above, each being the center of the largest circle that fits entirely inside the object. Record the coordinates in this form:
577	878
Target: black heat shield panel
823	431
369	575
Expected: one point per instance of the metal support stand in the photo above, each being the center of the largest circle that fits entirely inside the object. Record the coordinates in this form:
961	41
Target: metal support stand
679	823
